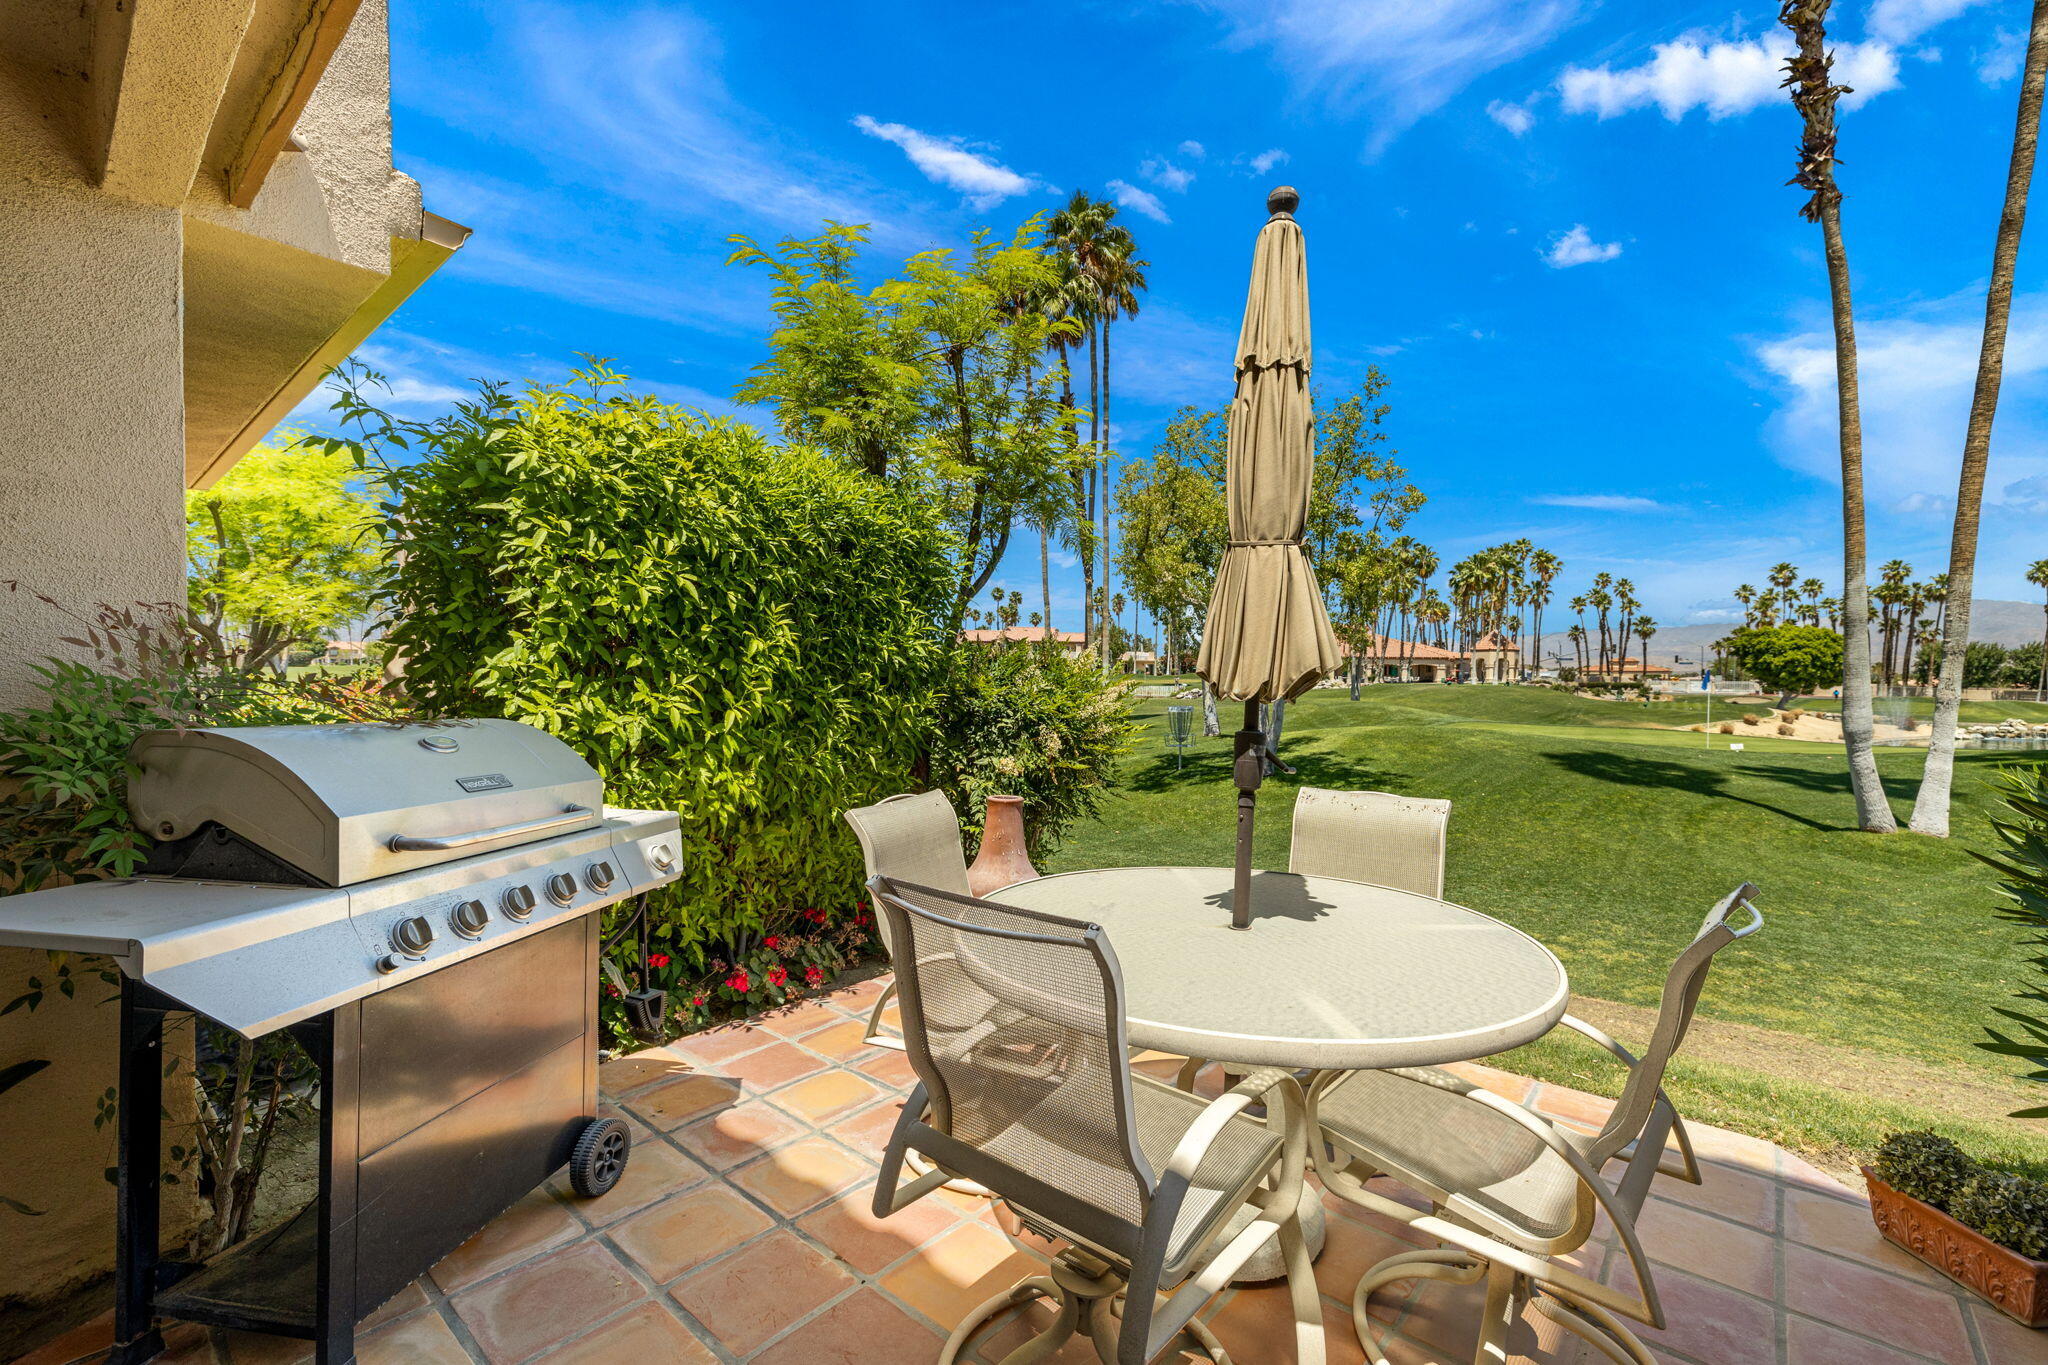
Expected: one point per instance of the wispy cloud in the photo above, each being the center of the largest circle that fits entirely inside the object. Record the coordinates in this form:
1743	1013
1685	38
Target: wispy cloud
1722	77
1166	175
2001	61
1577	247
1193	150
1516	118
951	162
1900	22
1267	160
1399	63
1600	502
1131	197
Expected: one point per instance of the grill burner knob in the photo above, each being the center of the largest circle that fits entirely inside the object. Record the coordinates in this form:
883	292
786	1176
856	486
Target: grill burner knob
561	888
600	876
662	857
519	902
470	918
412	936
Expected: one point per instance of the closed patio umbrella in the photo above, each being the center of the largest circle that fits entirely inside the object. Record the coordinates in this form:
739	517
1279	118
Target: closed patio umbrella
1267	637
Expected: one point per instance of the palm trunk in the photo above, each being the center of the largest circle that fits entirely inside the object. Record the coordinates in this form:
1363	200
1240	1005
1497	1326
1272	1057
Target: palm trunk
1045	571
1107	643
1210	728
1930	809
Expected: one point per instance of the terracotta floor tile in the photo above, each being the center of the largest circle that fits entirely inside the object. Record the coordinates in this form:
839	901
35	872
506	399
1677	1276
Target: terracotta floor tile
684	1100
1815	1343
823	1098
1258	1324
1738	1256
888	1066
2005	1341
795	1021
848	1226
1009	1330
1733	1149
1503	1083
1351	1247
260	1348
1564	1103
87	1339
860	996
1705	1320
649	1335
186	1343
687	1231
422	1339
624	1075
802	1175
1446	1318
775	1065
1742	1195
959	1271
1843	1227
843	1041
654	1171
545	1301
535	1224
862	1329
1915	1316
757	1291
1796	1170
739	1134
410	1299
868	1132
721	1044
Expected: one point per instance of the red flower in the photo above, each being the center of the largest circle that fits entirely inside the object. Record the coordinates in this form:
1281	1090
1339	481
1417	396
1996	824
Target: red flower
611	990
777	976
657	959
814	977
739	981
815	916
773	943
696	1002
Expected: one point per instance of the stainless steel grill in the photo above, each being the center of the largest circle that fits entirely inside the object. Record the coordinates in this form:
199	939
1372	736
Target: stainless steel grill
416	904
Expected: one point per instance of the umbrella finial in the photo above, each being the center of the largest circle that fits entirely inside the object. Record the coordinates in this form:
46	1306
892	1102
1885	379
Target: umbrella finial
1285	199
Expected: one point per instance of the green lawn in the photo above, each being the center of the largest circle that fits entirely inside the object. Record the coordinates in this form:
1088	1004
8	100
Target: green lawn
1608	840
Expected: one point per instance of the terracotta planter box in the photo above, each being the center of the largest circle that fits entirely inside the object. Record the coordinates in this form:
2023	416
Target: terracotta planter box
2014	1284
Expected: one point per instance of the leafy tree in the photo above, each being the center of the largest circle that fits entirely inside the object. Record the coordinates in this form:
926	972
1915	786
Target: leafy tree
2023	665
930	380
280	550
1983	664
1175	524
1809	78
2037	574
1789	660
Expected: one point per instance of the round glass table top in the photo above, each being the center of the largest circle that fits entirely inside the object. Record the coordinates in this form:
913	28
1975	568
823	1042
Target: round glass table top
1331	974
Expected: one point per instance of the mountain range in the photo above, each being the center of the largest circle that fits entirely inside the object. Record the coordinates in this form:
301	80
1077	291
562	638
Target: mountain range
2000	622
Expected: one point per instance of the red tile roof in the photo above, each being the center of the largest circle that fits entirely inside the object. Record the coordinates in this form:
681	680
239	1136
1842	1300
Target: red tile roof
989	637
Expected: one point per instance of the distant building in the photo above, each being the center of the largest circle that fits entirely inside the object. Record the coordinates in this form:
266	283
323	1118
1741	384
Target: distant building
1070	642
1138	661
1625	670
1391	659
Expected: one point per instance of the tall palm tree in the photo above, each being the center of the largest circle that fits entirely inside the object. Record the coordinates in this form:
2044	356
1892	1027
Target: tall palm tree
1119	278
2037	574
1811	589
1077	234
1546	567
1645	628
1930	808
1808	74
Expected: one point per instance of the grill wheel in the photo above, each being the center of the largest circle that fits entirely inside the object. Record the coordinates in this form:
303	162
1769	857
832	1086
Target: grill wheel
599	1158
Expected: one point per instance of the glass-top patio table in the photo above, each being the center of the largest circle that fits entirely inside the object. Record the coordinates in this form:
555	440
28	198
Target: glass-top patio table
1331	975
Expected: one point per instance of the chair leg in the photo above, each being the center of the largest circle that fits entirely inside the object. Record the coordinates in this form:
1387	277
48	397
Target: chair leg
1305	1298
1039	1347
1498	1320
1447	1265
1593	1325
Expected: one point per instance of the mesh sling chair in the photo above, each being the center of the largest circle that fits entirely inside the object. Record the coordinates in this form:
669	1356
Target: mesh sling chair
1374	837
1038	1104
914	837
1510	1191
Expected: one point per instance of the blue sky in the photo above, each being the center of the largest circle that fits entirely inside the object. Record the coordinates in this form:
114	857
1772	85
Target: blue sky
1559	226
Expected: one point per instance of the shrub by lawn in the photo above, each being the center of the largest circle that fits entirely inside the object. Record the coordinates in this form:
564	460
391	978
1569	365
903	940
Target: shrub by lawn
1608	841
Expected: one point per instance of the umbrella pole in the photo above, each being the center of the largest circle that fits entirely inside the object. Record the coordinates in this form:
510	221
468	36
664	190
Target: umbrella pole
1249	771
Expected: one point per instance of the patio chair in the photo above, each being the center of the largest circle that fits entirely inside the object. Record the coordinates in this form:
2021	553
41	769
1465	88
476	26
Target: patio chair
1374	837
1510	1192
1039	1105
914	837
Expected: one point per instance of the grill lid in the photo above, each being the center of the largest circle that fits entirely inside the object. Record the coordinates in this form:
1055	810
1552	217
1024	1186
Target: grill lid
350	803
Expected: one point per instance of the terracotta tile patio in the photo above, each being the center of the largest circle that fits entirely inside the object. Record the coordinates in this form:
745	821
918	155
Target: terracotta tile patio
743	1233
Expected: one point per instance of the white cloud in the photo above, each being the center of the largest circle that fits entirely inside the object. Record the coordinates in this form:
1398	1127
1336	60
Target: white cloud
1600	502
1268	159
1193	150
1724	78
1899	22
1130	196
2001	61
1162	172
2027	495
1577	247
1516	118
948	161
1398	62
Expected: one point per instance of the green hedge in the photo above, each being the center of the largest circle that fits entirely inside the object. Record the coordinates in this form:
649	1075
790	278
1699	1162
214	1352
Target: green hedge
742	632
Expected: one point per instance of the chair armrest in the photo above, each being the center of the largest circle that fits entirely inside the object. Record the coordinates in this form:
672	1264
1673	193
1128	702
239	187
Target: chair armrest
1578	1025
1688	1167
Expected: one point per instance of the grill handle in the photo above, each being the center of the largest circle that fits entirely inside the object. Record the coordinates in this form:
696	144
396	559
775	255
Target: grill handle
414	843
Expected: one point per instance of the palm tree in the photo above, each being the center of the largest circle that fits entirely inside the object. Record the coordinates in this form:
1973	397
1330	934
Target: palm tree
2037	574
1930	808
1076	234
1746	596
1811	589
1546	567
1808	75
1119	279
1645	628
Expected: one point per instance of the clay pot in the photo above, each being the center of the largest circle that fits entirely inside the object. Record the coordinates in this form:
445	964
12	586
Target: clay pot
2014	1284
1002	861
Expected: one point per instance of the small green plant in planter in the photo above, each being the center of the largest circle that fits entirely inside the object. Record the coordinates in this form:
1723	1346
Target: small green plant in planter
1986	1229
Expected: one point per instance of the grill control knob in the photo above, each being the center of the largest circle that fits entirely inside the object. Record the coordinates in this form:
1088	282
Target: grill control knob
600	876
470	918
412	936
662	856
561	888
518	902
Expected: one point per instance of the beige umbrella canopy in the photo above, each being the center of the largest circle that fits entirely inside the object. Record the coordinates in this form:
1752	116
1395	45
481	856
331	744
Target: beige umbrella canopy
1268	637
